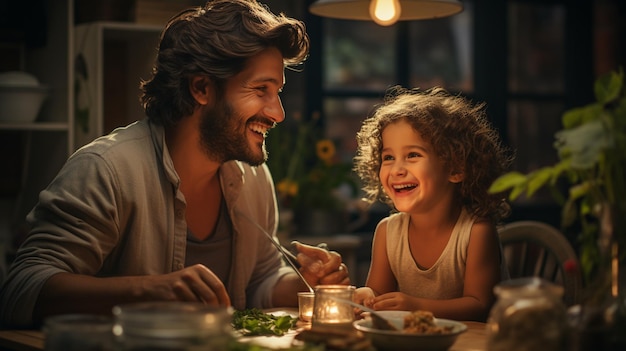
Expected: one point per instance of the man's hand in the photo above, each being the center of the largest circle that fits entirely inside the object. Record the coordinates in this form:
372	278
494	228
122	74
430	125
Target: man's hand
196	283
320	266
76	293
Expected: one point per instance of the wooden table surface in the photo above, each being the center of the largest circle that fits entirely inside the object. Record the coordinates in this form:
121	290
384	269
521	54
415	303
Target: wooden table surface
21	340
474	339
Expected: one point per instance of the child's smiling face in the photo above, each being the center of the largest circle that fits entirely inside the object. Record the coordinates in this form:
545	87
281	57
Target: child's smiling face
412	174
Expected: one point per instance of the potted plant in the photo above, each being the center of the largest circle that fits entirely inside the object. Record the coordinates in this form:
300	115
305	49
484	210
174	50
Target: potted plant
310	178
592	160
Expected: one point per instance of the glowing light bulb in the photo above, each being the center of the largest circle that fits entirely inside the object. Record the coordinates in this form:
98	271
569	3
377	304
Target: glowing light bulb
385	12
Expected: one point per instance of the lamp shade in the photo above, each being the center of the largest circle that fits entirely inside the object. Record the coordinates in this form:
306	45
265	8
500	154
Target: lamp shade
410	9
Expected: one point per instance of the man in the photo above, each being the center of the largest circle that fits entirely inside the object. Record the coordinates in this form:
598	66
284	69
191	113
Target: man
169	208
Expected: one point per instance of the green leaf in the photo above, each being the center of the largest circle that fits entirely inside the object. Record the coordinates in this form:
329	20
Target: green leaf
577	191
585	208
559	169
608	87
517	191
584	143
538	179
507	181
587	259
254	321
577	116
569	213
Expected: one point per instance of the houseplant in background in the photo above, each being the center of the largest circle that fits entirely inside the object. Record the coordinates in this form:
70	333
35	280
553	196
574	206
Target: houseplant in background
311	181
592	160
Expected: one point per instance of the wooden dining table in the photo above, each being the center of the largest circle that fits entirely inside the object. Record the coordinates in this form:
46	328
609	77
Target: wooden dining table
473	339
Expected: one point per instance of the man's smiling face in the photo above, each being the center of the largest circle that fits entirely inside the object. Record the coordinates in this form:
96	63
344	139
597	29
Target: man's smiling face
234	128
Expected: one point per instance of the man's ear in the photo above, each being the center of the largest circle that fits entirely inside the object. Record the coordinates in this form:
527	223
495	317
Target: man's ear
201	88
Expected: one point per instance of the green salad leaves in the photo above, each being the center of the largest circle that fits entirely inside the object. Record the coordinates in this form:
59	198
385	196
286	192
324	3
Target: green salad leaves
254	322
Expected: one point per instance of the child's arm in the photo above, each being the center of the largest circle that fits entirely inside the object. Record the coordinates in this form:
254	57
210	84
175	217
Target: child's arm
483	269
380	278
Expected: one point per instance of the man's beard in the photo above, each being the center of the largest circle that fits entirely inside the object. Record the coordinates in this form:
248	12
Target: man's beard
223	137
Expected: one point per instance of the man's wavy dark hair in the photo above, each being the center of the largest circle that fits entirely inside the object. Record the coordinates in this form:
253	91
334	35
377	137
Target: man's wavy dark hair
215	40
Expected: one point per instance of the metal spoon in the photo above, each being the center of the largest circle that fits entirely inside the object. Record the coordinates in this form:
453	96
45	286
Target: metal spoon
289	257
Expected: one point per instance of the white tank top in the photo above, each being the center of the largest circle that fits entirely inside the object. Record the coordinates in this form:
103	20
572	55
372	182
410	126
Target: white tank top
445	278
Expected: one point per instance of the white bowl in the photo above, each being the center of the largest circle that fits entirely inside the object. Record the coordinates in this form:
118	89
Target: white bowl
21	104
21	97
401	341
18	78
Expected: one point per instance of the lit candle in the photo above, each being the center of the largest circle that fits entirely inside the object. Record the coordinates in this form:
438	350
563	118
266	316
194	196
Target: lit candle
305	306
328	311
307	315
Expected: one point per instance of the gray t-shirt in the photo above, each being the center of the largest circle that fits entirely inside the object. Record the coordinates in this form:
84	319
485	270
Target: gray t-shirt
216	250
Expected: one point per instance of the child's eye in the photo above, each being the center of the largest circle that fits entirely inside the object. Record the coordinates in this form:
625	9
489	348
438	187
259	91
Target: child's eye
387	157
413	155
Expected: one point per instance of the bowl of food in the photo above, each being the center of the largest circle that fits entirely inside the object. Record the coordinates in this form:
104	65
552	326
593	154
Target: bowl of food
416	331
21	97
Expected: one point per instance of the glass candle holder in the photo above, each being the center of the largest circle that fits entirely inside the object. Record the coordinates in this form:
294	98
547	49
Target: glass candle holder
328	310
305	306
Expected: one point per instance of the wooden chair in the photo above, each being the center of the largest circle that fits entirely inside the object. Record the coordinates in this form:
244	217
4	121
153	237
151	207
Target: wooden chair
532	248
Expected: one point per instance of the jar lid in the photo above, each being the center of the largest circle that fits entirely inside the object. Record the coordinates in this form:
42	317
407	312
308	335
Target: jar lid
529	285
171	319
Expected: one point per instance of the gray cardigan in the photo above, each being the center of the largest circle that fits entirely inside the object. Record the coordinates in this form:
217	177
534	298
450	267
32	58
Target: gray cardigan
115	209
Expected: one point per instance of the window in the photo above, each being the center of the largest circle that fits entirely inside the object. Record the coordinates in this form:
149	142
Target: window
361	60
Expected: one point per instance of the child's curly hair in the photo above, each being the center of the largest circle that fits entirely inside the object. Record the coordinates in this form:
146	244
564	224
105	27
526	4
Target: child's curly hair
459	133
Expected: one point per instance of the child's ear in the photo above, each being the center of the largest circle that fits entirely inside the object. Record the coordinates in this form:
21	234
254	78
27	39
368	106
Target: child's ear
456	176
201	88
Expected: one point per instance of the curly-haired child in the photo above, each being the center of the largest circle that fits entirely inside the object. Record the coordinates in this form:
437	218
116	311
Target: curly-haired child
432	157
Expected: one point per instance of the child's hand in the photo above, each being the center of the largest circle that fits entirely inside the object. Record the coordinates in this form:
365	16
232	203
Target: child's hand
393	301
363	295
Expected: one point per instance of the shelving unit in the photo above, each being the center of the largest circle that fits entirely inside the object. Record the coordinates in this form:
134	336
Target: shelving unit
42	146
116	56
37	126
93	71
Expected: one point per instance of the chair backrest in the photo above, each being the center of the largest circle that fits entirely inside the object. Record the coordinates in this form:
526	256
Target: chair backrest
532	248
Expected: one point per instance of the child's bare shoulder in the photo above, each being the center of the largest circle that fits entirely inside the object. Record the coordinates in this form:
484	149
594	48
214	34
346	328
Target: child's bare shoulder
483	230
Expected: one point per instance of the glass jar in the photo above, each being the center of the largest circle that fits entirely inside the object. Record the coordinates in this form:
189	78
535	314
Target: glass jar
529	314
328	308
173	326
78	332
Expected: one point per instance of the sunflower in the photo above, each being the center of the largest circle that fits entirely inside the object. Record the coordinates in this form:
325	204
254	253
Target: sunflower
325	150
288	187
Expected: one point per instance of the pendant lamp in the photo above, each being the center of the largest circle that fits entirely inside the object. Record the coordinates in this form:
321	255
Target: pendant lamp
385	12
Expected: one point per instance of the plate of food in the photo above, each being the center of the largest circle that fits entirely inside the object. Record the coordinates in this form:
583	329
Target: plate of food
417	331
